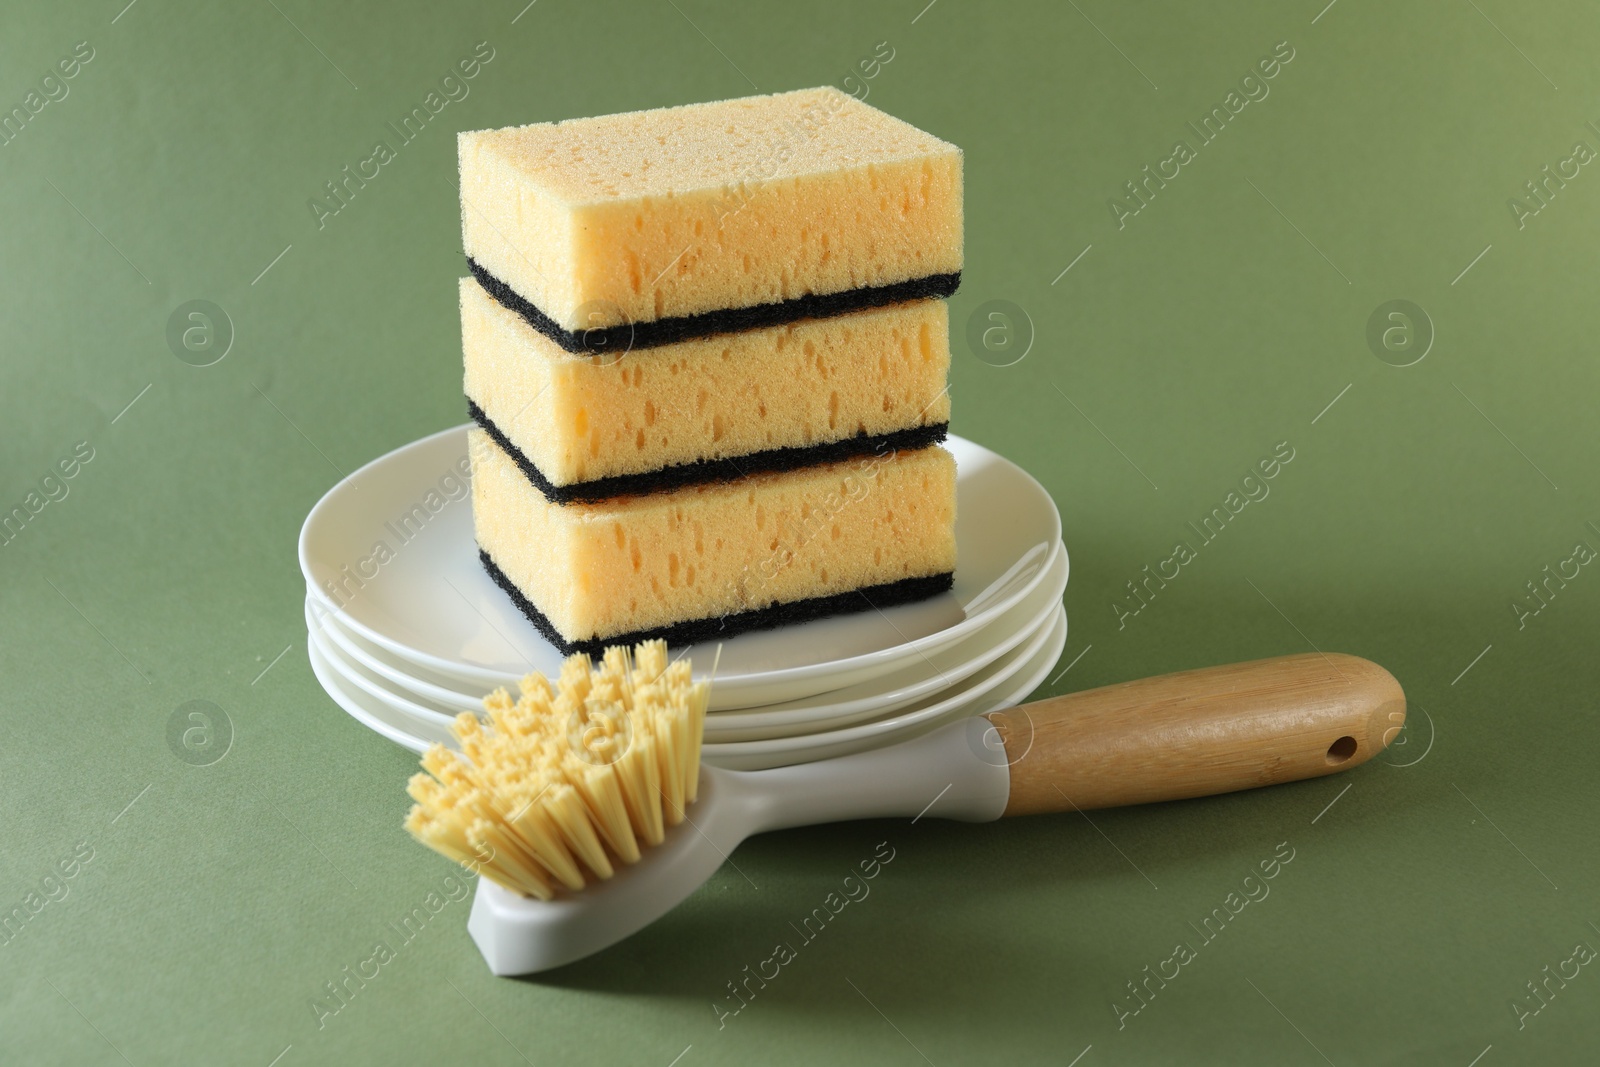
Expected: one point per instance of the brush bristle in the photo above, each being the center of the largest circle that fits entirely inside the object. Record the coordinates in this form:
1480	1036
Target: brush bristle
568	781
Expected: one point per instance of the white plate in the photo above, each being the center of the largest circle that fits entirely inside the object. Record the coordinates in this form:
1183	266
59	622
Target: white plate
872	699
406	677
419	591
357	679
436	721
407	733
939	674
415	735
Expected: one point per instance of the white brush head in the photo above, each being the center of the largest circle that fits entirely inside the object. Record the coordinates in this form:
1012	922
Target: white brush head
521	935
586	811
956	772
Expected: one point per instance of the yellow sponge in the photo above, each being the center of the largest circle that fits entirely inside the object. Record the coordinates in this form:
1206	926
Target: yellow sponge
799	203
712	560
767	399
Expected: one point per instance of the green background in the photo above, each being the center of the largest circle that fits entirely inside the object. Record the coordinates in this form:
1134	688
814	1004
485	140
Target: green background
1222	319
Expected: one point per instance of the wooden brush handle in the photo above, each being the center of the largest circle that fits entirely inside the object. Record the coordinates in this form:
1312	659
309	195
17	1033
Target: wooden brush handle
1199	732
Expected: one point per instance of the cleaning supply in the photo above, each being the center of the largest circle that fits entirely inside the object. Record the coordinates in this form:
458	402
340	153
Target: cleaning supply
586	428
707	352
708	561
650	227
1190	734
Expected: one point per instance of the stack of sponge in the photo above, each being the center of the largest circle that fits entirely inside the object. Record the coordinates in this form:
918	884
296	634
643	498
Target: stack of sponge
707	351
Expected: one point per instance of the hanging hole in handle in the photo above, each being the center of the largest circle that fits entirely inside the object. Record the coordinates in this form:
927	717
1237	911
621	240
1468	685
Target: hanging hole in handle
1342	749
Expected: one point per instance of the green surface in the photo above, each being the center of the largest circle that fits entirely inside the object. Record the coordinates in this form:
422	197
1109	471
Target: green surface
1219	321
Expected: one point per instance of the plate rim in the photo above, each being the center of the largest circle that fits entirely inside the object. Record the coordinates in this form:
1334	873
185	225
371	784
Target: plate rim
1048	658
401	737
345	647
335	692
1033	639
894	723
1009	643
338	692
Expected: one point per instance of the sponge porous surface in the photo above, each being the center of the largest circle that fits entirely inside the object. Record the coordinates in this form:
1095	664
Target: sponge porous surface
639	564
580	419
682	211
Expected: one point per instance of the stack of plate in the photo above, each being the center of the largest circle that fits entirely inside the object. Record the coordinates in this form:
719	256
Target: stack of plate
406	630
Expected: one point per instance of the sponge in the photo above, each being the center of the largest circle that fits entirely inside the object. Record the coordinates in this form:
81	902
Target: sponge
588	427
714	560
649	227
